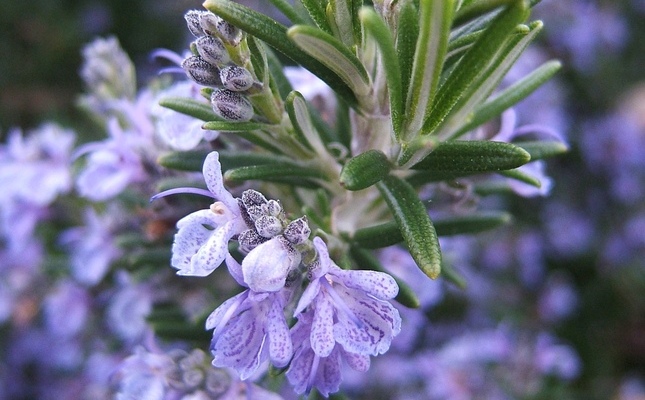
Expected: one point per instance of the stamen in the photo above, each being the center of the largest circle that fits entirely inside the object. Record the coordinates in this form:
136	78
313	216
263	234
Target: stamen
202	192
167	55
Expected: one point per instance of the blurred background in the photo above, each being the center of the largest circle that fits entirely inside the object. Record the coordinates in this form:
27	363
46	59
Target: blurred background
585	242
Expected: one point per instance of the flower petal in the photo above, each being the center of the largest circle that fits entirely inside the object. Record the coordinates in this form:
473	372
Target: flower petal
218	315
307	297
378	284
192	235
235	269
380	323
212	253
240	344
215	182
280	345
266	267
358	362
322	328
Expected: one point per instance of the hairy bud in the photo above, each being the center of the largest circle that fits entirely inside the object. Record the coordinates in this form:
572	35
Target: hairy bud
193	18
236	78
268	226
231	105
297	231
201	71
212	50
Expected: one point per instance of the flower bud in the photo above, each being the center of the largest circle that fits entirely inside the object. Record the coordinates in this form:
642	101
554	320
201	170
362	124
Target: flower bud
254	203
273	208
268	226
231	105
298	231
208	23
193	18
212	50
229	33
201	71
249	239
236	78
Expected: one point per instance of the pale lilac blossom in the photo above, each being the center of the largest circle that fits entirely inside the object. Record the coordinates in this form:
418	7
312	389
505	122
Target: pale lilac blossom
350	307
112	165
201	242
92	247
250	328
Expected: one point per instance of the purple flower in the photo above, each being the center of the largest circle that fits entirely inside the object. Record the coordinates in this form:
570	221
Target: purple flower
112	165
309	369
508	132
201	243
349	307
35	169
178	130
93	248
250	328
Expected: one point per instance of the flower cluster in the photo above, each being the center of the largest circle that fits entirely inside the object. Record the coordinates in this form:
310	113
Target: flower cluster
342	315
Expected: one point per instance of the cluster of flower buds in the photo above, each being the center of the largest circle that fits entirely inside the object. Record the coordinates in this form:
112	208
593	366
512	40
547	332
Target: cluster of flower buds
211	65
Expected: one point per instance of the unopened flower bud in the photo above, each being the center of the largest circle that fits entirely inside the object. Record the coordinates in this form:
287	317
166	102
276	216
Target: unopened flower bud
229	33
208	23
254	202
201	71
268	226
193	18
231	105
273	207
212	50
249	239
298	231
236	78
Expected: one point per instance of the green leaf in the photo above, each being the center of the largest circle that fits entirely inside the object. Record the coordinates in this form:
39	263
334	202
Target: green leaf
275	34
334	55
540	149
474	63
288	11
406	41
277	74
479	91
383	38
414	224
474	9
191	107
364	170
474	156
388	234
511	95
522	177
366	260
341	12
298	111
273	172
432	43
228	126
316	10
192	160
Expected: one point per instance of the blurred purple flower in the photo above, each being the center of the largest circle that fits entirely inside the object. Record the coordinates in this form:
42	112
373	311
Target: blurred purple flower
250	328
92	247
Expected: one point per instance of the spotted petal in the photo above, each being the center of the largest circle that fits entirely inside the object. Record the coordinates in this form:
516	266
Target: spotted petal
193	231
280	345
215	182
322	328
212	253
378	284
